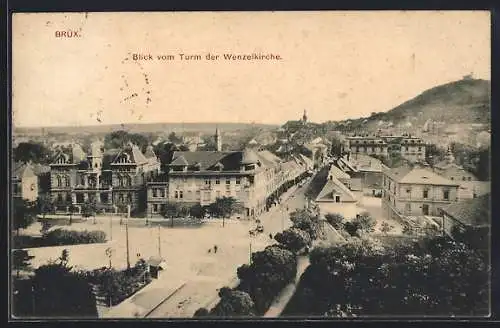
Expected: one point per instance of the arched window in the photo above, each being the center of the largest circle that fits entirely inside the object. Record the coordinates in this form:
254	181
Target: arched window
120	181
128	181
120	198
59	181
68	197
66	181
129	197
59	197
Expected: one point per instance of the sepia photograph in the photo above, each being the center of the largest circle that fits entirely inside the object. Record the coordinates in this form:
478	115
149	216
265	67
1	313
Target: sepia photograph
235	165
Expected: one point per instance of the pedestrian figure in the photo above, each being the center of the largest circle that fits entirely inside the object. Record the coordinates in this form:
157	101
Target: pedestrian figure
271	236
215	249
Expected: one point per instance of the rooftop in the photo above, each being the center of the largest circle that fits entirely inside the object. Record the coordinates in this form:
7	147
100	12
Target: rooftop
417	175
472	212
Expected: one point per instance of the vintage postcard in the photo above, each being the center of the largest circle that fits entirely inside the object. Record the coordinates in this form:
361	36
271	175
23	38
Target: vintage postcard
250	164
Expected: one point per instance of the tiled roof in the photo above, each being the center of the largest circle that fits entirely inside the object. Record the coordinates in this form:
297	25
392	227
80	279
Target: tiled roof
418	176
474	212
250	157
334	186
208	159
22	170
134	154
338	173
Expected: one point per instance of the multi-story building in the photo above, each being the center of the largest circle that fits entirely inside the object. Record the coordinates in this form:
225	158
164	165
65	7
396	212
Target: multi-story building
110	180
415	192
24	182
409	147
253	178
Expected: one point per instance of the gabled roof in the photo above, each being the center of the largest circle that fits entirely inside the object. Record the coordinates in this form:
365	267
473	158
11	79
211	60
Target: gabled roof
334	187
73	155
338	173
22	170
207	160
418	176
180	160
133	154
472	212
150	152
249	157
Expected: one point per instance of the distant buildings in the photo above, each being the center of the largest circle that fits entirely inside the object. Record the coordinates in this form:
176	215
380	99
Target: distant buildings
409	147
254	178
416	192
24	182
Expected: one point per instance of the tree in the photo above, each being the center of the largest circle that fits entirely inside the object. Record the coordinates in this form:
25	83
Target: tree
270	271
365	222
24	214
45	205
21	260
60	292
435	276
173	138
293	239
197	211
233	303
305	220
32	151
386	228
225	207
89	209
335	219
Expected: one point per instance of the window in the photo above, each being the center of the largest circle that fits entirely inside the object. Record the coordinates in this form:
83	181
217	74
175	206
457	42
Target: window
452	178
463	178
95	165
66	181
128	180
426	193
59	181
82	180
79	198
408	208
228	187
59	197
228	181
120	198
337	199
155	208
129	197
181	194
446	194
469	178
198	196
238	181
206	196
218	194
207	181
217	181
419	148
176	194
68	197
155	192
162	193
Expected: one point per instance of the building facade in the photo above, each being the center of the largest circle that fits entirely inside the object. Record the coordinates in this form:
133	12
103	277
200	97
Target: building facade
254	178
111	181
408	147
24	182
416	192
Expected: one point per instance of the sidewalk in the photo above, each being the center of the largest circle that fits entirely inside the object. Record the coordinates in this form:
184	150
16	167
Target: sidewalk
286	294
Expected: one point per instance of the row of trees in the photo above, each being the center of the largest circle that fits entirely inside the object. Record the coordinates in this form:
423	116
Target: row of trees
436	276
269	272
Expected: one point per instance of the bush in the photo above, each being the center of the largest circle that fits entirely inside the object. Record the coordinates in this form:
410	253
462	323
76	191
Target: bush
307	221
115	286
201	312
70	237
271	270
197	211
293	239
233	303
335	219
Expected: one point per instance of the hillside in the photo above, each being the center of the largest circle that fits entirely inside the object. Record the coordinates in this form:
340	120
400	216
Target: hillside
463	101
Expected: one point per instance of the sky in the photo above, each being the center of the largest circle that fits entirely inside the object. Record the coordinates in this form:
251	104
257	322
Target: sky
336	65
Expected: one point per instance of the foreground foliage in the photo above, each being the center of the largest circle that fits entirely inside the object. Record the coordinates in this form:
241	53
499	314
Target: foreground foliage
435	276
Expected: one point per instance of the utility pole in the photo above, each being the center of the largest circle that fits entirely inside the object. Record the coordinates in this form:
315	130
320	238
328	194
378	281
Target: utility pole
126	232
159	241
